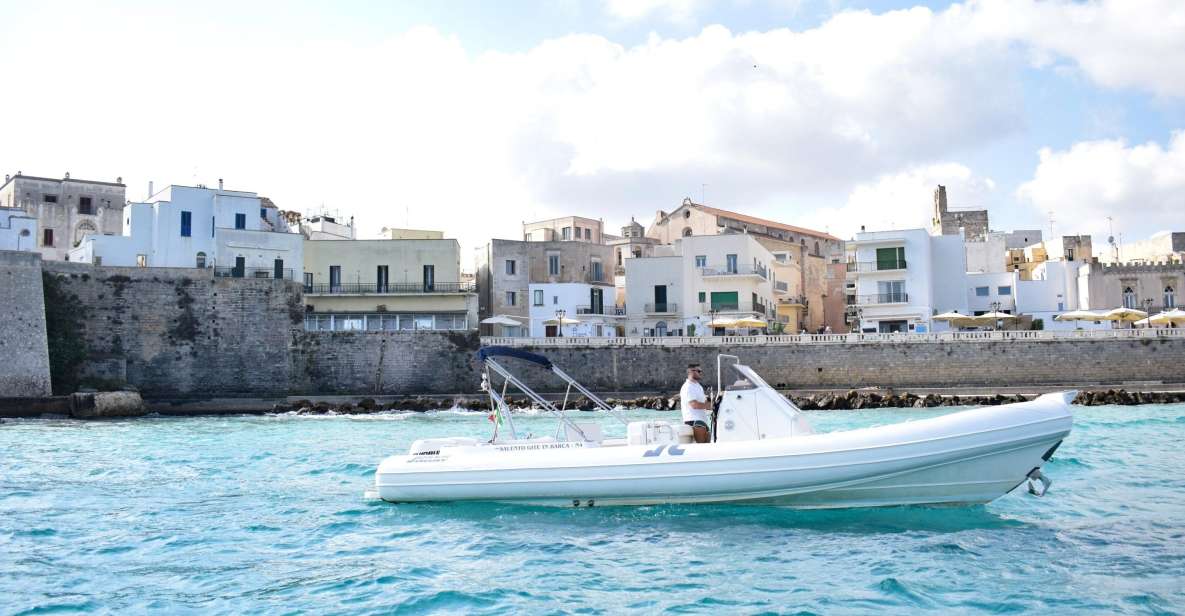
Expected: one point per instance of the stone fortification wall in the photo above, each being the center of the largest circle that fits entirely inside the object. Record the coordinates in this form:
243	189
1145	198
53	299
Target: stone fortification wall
386	363
25	368
182	331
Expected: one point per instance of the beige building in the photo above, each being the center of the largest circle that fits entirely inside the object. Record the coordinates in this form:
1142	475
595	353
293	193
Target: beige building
1151	288
564	229
1163	247
971	223
506	270
805	253
386	284
389	233
1070	248
66	209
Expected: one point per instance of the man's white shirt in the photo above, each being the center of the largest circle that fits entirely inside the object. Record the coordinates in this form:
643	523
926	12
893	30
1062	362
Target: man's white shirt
692	391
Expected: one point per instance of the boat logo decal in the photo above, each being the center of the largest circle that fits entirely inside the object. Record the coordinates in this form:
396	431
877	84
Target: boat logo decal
674	450
427	458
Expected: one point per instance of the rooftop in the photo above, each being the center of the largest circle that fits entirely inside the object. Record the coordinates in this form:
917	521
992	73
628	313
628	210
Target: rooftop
762	221
22	176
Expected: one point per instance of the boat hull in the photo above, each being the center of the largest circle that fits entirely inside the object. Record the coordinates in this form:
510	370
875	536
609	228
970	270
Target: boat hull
964	458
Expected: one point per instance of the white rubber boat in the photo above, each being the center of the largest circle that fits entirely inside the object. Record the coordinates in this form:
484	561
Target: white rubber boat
764	452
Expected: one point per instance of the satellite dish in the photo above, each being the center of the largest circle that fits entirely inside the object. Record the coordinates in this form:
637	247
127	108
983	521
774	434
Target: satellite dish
1111	239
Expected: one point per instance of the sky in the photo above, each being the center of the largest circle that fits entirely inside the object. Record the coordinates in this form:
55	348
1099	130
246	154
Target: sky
472	117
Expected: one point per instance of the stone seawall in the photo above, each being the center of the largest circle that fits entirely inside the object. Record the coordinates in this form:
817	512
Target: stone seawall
897	365
182	333
23	346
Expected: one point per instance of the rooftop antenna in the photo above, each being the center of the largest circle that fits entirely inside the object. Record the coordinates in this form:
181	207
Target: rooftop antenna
1051	224
1111	240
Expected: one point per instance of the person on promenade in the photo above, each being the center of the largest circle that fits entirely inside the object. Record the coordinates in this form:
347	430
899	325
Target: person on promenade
694	404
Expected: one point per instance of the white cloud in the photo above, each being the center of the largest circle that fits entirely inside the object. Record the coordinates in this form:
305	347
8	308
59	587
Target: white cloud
904	200
1141	186
679	11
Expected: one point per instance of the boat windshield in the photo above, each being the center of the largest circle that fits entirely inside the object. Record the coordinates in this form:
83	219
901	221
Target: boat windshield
746	379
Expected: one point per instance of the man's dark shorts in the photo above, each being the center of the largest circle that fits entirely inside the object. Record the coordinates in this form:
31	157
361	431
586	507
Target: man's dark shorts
697	422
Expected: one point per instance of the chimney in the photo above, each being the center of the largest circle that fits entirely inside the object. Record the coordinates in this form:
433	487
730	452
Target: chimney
219	183
67	175
150	193
119	180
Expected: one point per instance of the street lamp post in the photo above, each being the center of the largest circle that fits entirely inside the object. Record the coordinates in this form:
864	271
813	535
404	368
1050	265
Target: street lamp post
1148	301
559	322
996	308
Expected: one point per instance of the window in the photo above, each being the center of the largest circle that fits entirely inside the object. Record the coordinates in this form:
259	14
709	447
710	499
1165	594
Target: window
891	291
890	258
510	266
618	257
1004	290
186	224
566	233
781	257
1129	298
200	261
50	198
701	260
686	231
555	299
510	298
263	212
982	291
598	271
538	300
84	206
725	300
703	297
817	253
578	236
240	221
587	234
47	237
212	219
730	263
141	260
553	265
308	280
1170	298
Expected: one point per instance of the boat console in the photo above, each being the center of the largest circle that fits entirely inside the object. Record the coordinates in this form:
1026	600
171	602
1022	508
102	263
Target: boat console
751	410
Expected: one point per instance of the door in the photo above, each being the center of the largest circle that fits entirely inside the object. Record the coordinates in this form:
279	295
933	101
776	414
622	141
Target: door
660	298
660	329
549	331
278	269
891	327
240	267
335	278
596	301
381	280
429	277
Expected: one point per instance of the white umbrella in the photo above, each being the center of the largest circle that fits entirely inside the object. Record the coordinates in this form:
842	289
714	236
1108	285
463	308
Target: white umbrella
955	319
1079	315
749	322
722	322
1169	317
1124	314
995	315
501	319
562	321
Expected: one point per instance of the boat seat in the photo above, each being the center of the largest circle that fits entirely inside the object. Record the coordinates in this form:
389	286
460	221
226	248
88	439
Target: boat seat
686	434
592	433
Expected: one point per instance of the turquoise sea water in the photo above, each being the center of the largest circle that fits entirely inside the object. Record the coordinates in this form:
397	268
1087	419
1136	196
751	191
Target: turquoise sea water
266	514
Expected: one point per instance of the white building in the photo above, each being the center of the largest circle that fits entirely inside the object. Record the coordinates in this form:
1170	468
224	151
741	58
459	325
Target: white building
684	286
188	226
18	230
591	305
893	279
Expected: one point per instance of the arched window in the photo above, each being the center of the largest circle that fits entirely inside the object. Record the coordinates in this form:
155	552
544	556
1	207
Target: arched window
619	256
84	229
1129	298
817	253
1170	298
686	231
660	328
201	260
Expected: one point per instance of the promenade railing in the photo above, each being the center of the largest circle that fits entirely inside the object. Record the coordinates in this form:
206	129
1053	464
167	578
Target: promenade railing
854	338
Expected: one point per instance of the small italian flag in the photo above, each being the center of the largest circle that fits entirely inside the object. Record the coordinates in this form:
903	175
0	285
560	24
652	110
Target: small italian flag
496	416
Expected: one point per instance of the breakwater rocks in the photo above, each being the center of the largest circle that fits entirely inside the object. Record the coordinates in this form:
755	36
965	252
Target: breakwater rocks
853	399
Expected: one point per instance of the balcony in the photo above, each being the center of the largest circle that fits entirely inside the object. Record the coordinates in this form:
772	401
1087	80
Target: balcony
661	308
251	272
872	267
393	288
743	270
738	308
882	298
793	300
613	311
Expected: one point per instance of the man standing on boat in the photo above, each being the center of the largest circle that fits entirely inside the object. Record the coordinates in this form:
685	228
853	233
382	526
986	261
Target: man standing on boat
694	404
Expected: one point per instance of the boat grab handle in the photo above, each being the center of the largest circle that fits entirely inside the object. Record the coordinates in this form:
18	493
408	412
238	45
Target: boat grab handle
1037	475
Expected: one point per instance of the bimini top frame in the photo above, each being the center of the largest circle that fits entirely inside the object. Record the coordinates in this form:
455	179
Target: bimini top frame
486	355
